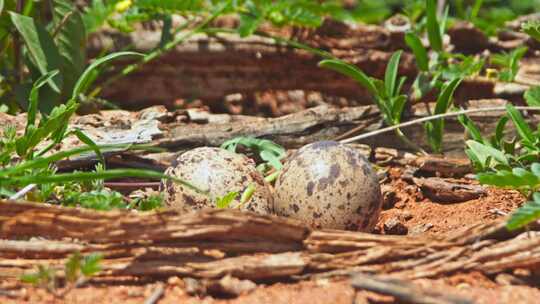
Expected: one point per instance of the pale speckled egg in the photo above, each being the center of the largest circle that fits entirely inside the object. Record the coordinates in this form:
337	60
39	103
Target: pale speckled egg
219	172
329	185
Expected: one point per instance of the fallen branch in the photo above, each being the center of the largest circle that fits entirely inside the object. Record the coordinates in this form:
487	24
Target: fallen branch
215	243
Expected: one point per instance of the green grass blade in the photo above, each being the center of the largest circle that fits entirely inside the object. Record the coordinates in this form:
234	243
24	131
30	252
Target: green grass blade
43	162
34	98
350	71
84	81
521	125
88	141
433	27
90	176
390	75
419	51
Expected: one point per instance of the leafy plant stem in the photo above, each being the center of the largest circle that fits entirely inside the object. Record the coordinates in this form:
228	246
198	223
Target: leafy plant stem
430	118
409	143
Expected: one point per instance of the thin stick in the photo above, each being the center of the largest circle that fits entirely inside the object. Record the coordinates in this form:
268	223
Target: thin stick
156	295
429	118
22	192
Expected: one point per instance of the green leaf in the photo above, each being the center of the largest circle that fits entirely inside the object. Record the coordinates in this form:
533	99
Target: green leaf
41	47
1	6
435	128
43	53
419	51
71	42
485	154
390	76
34	95
397	108
521	125
90	176
226	200
433	27
85	79
91	264
97	14
532	96
526	214
471	127
499	130
350	71
88	141
535	169
250	20
532	28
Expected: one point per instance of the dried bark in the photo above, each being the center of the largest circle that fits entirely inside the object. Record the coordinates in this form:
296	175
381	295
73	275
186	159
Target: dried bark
216	243
212	67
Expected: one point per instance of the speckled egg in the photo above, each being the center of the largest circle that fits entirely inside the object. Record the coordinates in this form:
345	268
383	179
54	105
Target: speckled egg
219	172
329	185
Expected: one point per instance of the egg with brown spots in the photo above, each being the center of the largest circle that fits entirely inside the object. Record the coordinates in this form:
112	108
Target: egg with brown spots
329	185
219	172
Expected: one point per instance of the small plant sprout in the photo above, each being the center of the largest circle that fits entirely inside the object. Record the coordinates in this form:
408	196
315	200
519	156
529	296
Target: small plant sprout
76	271
387	94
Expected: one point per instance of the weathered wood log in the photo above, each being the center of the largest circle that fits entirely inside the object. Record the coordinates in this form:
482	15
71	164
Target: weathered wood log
206	245
212	67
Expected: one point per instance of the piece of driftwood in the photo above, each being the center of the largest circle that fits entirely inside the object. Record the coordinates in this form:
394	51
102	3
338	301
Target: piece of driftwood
404	291
447	191
215	243
211	67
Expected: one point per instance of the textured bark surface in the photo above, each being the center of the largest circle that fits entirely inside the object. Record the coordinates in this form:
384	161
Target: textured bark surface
215	243
212	67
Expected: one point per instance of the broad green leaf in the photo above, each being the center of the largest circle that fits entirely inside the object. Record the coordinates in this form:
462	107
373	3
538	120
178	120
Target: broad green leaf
85	79
433	27
1	6
419	51
71	42
521	125
350	71
526	214
390	76
40	46
535	169
532	96
484	153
